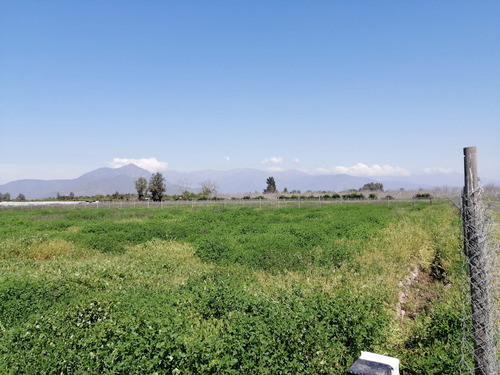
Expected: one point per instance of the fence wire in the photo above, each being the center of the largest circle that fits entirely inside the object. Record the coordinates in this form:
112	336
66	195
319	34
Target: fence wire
481	305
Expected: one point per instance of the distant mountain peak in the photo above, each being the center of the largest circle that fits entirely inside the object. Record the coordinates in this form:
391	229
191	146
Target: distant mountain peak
132	169
129	170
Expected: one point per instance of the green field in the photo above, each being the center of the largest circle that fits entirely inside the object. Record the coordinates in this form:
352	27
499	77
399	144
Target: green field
231	289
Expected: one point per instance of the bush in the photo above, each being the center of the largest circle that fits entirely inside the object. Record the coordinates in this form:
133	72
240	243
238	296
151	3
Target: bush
372	186
353	195
422	196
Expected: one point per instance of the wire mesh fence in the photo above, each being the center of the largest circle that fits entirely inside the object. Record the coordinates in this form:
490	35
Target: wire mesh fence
481	305
216	203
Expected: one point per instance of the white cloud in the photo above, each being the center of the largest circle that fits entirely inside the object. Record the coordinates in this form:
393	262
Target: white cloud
227	158
273	159
151	164
361	169
296	160
437	170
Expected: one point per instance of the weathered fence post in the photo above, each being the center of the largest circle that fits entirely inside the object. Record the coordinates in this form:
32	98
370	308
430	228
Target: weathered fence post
474	247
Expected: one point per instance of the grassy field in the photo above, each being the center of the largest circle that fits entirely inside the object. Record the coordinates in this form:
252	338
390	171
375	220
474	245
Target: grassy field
495	215
229	289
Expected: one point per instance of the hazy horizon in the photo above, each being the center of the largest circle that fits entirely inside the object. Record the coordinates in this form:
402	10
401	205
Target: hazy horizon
270	172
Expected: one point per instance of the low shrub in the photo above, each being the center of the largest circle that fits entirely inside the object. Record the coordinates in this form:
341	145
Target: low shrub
422	196
353	195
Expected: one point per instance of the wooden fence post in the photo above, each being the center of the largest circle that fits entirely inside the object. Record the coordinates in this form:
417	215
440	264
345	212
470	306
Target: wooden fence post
474	246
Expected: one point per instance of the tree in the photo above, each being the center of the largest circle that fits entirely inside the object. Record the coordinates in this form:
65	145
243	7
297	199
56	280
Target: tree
373	186
20	198
271	185
157	186
141	185
208	189
184	188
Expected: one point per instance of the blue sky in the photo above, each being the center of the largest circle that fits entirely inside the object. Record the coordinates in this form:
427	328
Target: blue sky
361	87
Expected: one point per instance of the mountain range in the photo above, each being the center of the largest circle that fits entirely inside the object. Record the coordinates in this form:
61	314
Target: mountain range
236	181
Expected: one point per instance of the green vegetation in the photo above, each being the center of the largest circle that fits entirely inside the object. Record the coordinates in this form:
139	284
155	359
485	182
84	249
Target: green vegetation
271	185
353	195
157	186
4	197
423	196
372	186
228	290
141	186
20	198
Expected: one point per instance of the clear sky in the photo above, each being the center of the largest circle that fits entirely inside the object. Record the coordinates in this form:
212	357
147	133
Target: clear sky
362	87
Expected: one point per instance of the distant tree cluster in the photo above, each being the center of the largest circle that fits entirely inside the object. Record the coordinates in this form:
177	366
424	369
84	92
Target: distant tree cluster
20	198
156	187
70	197
353	195
310	197
422	196
5	197
372	186
116	196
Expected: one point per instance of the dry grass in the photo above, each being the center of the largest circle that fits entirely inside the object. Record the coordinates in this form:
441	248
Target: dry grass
36	247
155	264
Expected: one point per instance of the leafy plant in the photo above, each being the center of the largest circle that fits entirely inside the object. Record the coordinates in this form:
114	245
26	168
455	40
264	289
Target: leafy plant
227	290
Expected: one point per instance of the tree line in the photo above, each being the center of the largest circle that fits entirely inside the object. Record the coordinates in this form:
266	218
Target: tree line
155	190
371	186
5	197
156	187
